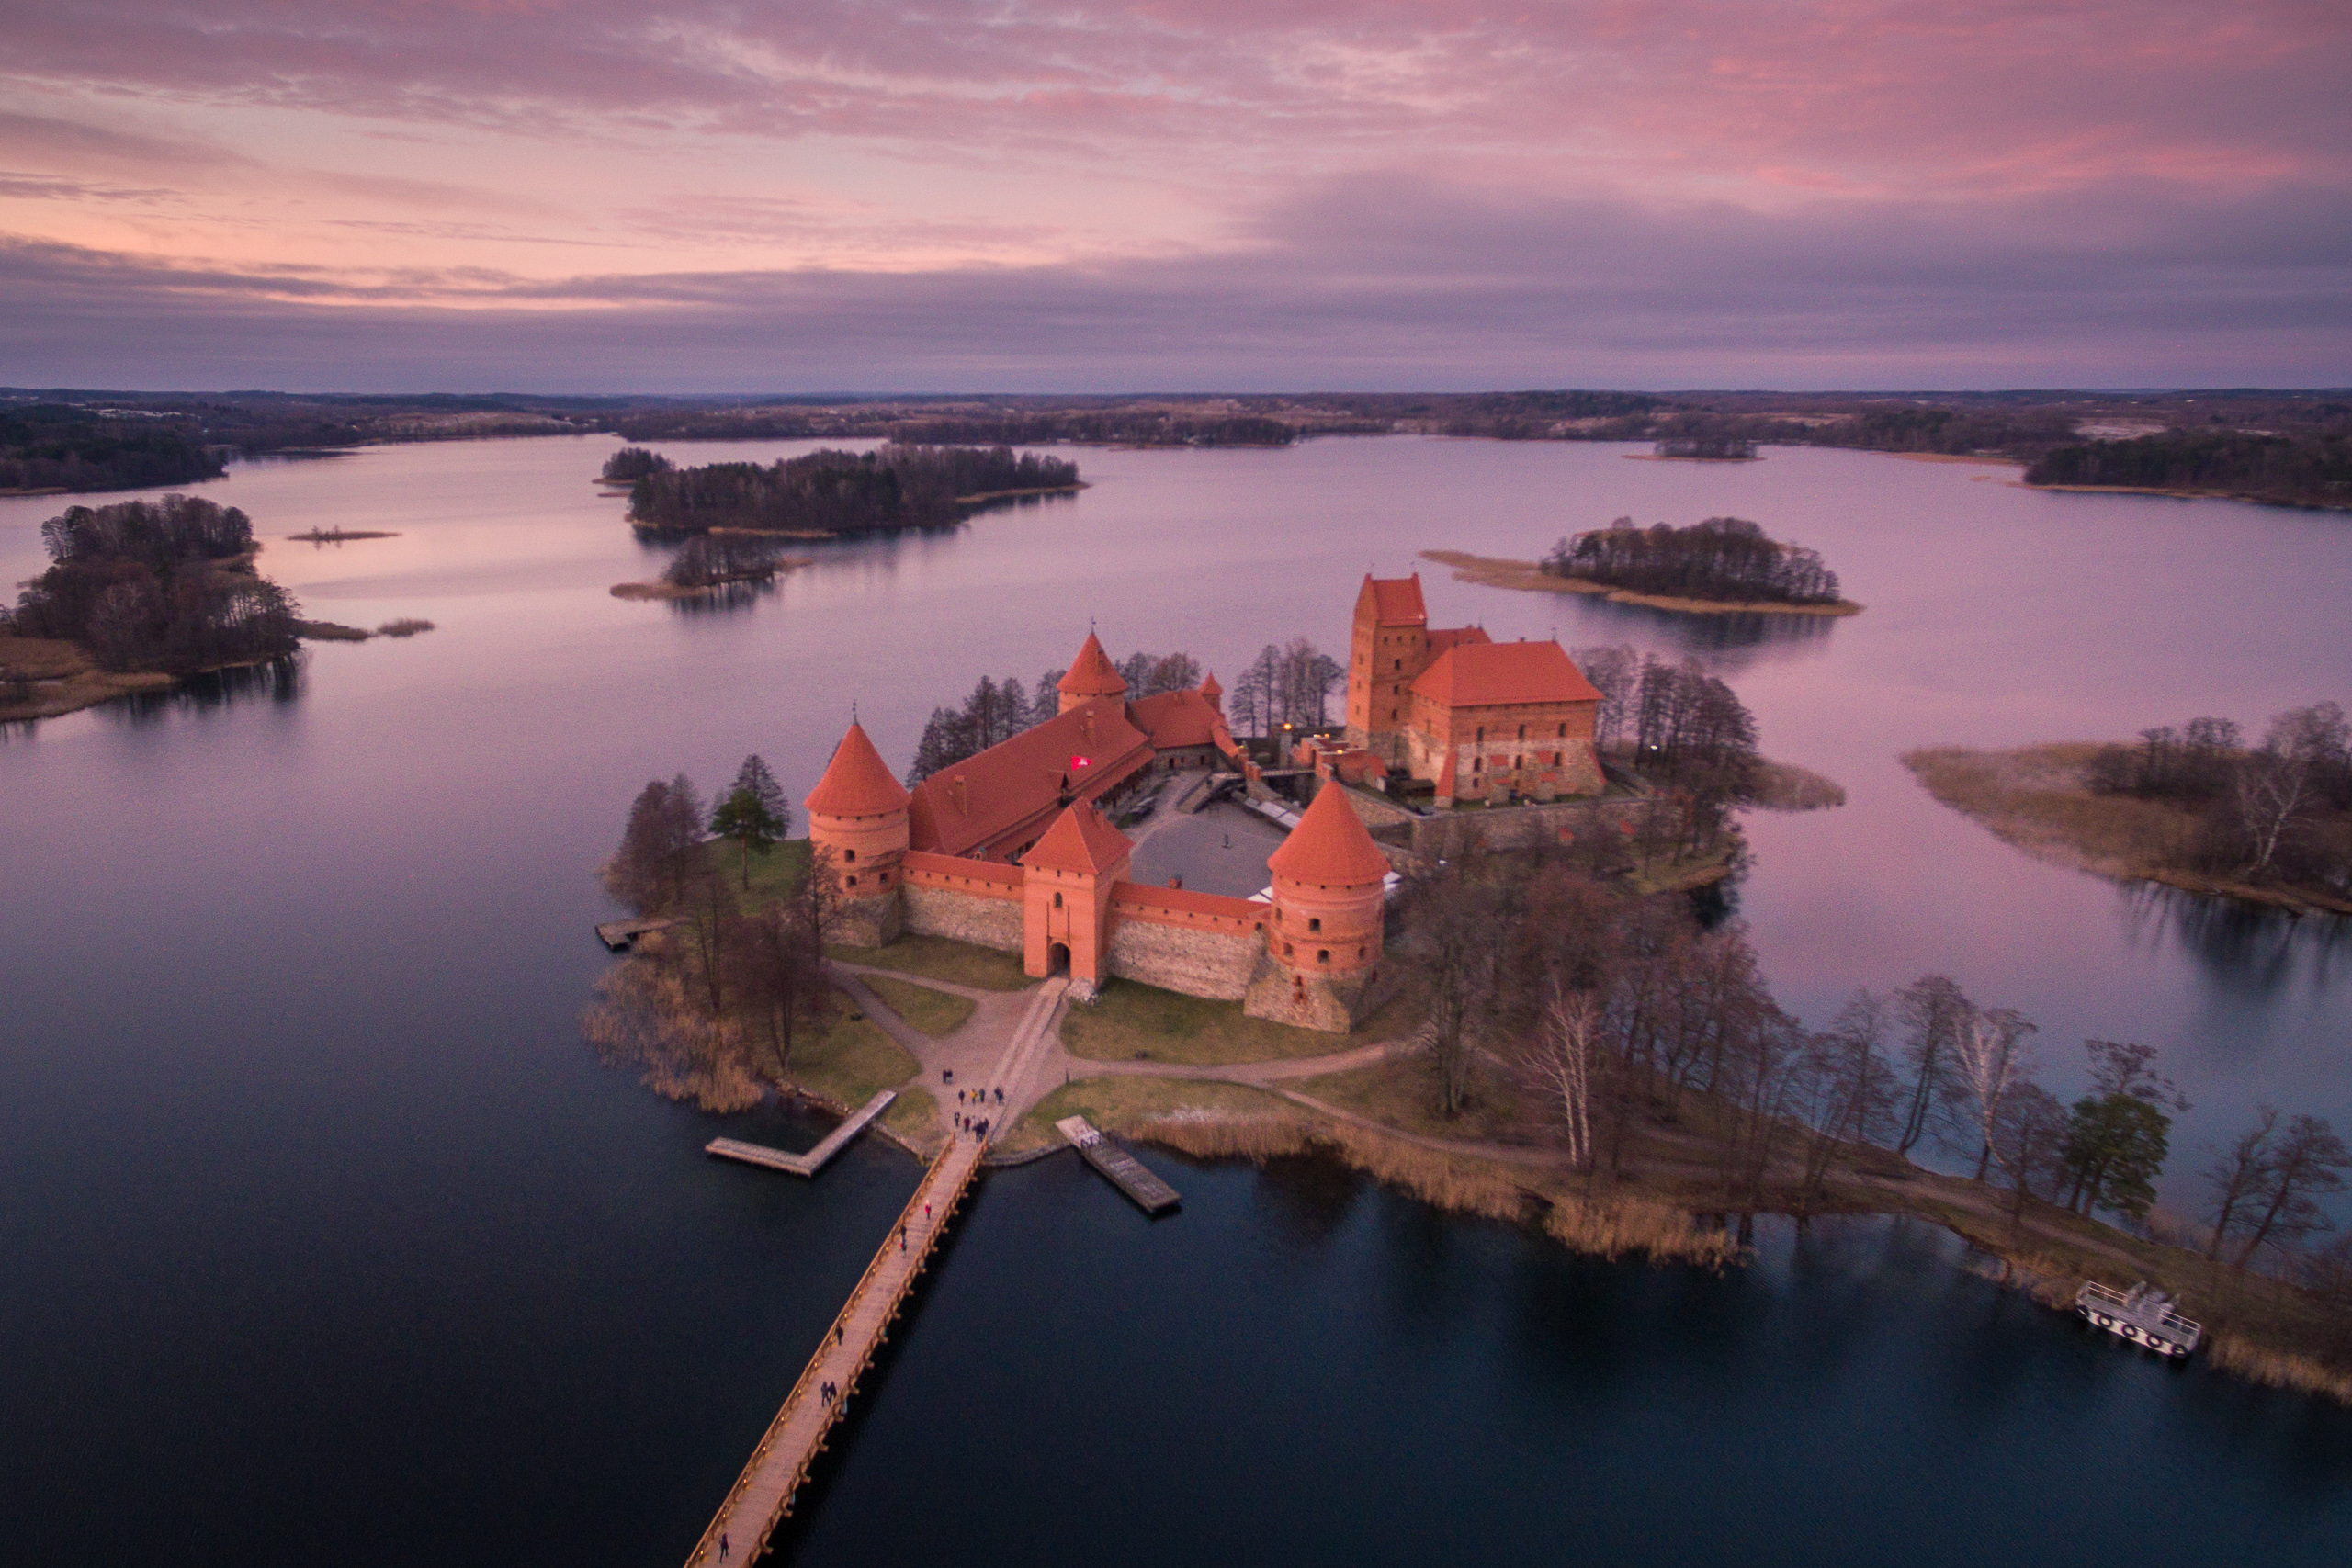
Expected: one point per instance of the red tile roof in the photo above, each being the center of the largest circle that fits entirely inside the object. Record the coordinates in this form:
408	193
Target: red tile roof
1395	601
1454	637
1179	718
857	782
1091	674
1021	778
1210	689
1081	838
1484	674
1329	848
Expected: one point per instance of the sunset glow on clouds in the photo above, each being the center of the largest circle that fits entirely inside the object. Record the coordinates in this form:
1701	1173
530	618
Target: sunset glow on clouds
1182	194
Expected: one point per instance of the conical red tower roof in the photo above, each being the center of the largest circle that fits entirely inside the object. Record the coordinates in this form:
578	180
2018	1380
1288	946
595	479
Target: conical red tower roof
1092	674
1210	689
1081	839
1329	848
856	782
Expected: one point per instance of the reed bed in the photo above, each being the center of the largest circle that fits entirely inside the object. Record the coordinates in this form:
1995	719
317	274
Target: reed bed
1606	1228
2277	1368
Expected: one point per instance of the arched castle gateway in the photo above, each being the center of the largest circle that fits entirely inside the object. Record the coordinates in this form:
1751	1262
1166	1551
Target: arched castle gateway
1011	850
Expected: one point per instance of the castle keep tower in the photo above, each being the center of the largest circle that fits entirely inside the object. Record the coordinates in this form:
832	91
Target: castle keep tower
1090	675
1067	882
1390	646
1323	949
857	820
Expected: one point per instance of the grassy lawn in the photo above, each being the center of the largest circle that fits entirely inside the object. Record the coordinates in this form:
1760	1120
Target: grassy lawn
1131	1022
936	958
914	1116
1119	1105
851	1061
1401	1092
933	1012
776	876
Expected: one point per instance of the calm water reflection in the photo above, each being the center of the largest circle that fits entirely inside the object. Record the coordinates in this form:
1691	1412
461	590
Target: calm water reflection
323	1222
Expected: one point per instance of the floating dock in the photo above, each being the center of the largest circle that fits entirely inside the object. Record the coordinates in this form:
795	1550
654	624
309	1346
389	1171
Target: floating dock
2143	1315
815	1159
621	935
1120	1169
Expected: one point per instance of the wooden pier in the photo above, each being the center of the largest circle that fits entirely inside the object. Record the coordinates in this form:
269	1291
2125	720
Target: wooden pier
621	935
762	1495
1120	1169
815	1159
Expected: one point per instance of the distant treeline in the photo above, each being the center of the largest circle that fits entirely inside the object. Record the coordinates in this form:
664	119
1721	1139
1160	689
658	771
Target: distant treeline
160	585
2312	468
840	492
53	446
1723	558
2277	813
1138	427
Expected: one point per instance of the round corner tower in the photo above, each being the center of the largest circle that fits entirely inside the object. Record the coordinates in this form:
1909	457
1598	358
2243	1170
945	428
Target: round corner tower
1323	948
857	831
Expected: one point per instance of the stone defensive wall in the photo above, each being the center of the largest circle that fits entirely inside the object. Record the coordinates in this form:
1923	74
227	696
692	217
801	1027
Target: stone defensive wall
964	900
1204	944
1517	826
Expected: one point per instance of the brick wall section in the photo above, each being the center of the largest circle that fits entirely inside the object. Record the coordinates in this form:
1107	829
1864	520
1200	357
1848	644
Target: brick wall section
964	901
1517	826
1487	742
1199	961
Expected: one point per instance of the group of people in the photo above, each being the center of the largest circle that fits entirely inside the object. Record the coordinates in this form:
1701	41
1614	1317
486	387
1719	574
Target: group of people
978	1125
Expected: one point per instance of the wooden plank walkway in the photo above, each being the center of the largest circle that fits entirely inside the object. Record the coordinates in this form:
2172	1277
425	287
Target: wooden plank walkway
764	1493
815	1159
1119	1167
621	935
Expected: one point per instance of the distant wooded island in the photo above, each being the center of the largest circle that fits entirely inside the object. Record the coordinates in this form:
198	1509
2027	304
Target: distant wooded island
54	446
830	493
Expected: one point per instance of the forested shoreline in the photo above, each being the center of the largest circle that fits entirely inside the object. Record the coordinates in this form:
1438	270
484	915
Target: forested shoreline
835	492
164	586
2314	469
55	446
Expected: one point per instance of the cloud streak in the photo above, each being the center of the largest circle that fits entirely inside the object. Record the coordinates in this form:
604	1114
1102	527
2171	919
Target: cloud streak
901	193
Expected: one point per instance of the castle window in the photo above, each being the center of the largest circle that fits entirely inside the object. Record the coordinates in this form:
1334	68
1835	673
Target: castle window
1563	732
1359	953
1285	950
1477	764
849	857
1314	923
1058	900
1323	955
852	882
1398	662
1482	734
1522	732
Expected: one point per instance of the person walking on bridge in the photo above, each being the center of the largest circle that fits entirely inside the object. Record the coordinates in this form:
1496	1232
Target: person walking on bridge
722	1546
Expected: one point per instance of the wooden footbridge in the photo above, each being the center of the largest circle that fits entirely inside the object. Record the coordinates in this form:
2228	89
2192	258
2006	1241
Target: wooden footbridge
815	1159
762	1495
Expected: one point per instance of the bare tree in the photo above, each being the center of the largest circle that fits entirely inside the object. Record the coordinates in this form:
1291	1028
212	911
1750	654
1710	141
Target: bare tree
1563	1058
1993	1056
1847	1086
2273	793
1458	940
1615	673
781	975
2235	1175
1933	1010
2309	1160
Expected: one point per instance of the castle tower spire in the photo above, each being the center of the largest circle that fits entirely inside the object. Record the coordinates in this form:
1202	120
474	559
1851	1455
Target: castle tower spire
858	829
1323	949
1092	675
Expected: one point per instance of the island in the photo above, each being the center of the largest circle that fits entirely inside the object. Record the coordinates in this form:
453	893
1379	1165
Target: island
51	448
1721	567
141	594
2192	807
710	563
829	495
1044	924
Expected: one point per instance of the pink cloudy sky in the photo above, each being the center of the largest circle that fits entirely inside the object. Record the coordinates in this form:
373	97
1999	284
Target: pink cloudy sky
692	195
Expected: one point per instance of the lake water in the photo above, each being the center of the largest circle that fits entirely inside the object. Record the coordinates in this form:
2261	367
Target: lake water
325	1239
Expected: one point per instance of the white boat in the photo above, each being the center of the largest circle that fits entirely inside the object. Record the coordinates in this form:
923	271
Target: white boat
2143	1314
